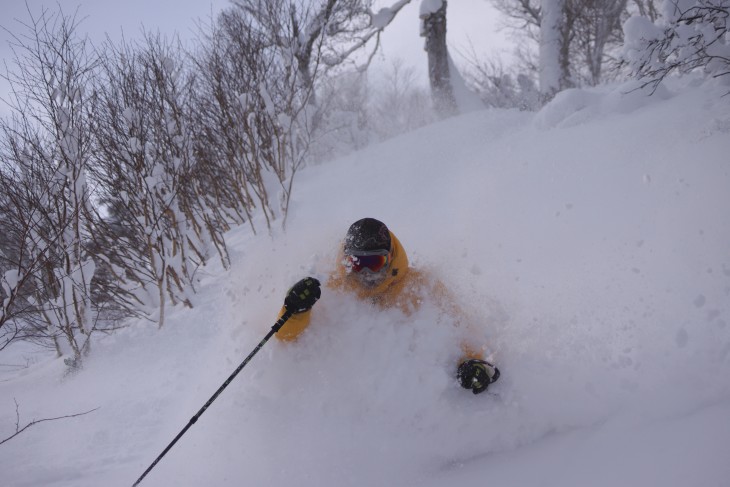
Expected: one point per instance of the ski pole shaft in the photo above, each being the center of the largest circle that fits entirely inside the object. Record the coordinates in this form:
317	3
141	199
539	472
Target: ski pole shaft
287	314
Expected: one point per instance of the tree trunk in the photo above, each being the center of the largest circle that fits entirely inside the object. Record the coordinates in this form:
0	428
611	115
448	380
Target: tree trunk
433	28
554	49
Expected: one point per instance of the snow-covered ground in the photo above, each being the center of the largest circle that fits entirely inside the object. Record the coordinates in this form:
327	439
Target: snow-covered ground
592	240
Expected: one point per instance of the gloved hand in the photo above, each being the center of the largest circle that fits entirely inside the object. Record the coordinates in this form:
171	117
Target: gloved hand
302	295
476	375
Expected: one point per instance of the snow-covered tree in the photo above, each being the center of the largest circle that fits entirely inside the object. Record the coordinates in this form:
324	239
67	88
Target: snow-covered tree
433	28
263	65
689	35
47	150
398	103
253	118
580	37
554	48
598	26
144	163
502	87
315	35
449	92
347	124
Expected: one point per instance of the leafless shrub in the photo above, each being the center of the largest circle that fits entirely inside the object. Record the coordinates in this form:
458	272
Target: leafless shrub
145	165
46	151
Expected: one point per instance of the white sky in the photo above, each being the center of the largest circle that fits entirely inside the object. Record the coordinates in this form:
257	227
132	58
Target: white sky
469	21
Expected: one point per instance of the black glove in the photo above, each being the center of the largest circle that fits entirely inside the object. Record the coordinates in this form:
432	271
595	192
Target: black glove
302	295
476	375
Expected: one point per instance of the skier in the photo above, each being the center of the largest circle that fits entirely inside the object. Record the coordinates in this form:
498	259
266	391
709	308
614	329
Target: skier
374	267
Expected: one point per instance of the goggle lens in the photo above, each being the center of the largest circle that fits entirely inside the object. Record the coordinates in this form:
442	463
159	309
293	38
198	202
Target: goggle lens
373	262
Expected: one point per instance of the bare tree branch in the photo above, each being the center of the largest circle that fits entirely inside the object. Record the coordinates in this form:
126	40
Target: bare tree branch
19	430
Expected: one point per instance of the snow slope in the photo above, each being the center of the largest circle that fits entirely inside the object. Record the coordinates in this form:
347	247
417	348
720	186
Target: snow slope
592	240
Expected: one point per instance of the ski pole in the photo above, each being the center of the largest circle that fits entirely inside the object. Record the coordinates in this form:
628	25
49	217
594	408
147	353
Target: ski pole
287	314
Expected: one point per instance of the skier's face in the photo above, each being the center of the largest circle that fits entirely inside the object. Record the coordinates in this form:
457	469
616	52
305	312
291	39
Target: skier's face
370	279
368	270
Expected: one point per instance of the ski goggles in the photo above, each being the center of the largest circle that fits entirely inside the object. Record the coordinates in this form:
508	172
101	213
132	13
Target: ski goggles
374	261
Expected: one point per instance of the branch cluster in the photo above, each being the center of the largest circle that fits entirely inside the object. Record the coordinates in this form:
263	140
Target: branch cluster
587	33
690	35
122	168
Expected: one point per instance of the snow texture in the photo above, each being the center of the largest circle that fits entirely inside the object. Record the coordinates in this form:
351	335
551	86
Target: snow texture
429	7
590	240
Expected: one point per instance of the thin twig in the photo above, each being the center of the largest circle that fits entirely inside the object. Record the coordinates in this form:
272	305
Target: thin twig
19	430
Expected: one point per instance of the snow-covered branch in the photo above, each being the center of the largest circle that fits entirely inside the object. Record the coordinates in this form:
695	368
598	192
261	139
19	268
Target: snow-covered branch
690	35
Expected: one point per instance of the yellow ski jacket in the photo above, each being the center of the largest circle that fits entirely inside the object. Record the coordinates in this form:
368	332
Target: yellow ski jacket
404	287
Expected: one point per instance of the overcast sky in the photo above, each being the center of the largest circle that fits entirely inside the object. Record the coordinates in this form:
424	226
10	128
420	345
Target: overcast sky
469	21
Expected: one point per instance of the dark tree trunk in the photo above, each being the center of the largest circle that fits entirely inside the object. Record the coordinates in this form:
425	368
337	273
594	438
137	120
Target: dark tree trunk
442	92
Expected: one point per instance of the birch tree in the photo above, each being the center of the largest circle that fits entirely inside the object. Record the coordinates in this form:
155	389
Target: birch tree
554	48
582	38
46	154
143	161
263	63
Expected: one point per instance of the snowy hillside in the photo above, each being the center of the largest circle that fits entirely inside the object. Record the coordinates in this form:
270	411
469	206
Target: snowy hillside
591	239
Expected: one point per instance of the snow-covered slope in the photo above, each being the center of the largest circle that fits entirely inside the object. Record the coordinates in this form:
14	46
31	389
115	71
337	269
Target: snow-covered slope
592	240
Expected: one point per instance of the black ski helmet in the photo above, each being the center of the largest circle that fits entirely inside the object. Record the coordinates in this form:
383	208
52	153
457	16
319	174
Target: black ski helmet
367	235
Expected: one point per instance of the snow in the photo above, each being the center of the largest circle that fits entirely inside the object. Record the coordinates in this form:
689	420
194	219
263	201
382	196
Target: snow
466	100
590	239
429	7
9	281
381	18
